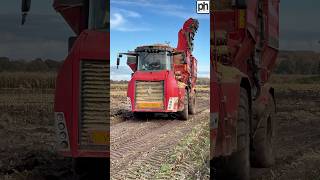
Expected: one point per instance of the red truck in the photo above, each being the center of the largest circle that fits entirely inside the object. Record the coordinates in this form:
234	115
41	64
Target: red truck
164	78
244	48
82	87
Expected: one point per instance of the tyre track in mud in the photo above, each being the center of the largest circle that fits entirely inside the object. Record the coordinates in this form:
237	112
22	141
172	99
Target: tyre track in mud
138	148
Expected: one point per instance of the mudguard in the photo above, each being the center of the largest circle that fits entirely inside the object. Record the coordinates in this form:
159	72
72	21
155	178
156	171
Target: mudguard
225	96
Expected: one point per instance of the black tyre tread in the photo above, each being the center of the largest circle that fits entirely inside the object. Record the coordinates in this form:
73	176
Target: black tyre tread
262	154
193	105
241	165
237	166
184	114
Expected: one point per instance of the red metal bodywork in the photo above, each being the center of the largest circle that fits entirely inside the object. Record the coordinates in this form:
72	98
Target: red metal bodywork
67	86
170	85
74	12
173	87
90	45
232	70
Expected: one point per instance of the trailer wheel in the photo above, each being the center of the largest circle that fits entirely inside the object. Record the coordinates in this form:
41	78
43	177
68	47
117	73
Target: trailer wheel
262	153
193	104
90	168
184	113
237	166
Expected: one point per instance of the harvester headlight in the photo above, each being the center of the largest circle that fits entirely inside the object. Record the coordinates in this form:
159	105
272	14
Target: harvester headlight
129	103
59	117
61	130
61	126
63	135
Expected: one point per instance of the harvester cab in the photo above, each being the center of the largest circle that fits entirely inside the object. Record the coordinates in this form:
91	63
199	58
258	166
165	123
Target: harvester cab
153	58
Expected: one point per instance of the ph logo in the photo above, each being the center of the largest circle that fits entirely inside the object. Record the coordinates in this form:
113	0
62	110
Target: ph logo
203	6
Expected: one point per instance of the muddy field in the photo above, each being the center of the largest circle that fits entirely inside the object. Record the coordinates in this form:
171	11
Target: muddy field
158	147
27	143
298	134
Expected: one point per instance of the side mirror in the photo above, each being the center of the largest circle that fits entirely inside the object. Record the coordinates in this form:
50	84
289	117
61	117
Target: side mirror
25	8
118	62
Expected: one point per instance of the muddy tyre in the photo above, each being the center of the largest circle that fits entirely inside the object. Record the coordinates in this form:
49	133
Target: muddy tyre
237	166
262	154
90	168
185	113
193	104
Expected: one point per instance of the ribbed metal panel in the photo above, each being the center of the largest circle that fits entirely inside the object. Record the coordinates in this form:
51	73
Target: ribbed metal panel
149	92
95	98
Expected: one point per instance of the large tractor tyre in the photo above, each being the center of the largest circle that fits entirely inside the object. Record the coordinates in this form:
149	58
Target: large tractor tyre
237	166
193	104
262	154
185	114
90	168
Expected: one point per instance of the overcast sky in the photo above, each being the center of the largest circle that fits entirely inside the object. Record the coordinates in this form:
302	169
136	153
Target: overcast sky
45	33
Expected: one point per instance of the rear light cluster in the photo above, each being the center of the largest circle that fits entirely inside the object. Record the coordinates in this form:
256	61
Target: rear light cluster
61	130
172	104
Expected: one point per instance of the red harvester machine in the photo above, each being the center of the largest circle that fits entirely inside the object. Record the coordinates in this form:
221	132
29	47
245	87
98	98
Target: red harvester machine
164	78
82	88
244	48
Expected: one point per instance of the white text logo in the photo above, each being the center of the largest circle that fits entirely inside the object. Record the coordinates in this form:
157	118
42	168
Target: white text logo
203	6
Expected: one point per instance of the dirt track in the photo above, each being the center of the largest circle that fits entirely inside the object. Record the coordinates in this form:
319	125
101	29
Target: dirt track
140	148
27	144
298	137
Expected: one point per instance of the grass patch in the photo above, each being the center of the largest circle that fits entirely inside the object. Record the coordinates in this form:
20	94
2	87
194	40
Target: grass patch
189	158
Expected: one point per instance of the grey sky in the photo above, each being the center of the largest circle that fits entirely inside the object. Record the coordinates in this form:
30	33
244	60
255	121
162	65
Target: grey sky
45	33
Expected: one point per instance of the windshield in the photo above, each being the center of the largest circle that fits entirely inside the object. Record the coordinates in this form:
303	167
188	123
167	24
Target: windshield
99	14
154	61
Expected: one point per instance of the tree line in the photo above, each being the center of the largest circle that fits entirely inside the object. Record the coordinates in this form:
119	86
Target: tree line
298	62
289	62
35	65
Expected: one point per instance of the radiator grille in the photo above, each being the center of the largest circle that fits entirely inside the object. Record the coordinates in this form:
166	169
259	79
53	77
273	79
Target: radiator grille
149	94
95	99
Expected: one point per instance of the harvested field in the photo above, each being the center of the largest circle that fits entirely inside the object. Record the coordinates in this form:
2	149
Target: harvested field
160	147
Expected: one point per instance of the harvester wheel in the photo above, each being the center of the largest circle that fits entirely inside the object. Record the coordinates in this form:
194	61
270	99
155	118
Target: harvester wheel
193	104
90	168
184	114
237	166
262	153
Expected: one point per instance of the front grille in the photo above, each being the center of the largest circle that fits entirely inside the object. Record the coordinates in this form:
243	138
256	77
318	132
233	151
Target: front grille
95	99
150	94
